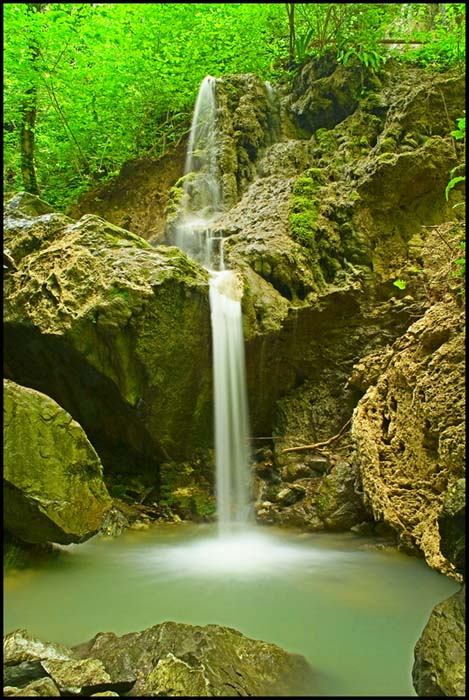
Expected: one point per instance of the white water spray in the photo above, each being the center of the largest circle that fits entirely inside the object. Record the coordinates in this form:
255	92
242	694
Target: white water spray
202	205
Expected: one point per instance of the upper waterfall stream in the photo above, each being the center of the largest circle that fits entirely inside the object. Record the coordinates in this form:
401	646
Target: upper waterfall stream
201	205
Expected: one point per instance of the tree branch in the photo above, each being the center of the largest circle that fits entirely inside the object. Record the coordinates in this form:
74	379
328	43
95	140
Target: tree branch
318	444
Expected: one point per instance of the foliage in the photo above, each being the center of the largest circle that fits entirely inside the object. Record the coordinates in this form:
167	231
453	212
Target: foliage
440	31
116	81
458	134
400	284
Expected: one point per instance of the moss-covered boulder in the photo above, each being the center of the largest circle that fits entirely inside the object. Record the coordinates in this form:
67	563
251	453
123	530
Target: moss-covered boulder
114	330
174	659
53	478
439	668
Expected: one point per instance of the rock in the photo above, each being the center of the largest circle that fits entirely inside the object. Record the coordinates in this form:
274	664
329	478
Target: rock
20	646
452	525
10	691
177	659
287	496
44	687
26	204
128	325
77	676
439	657
23	673
137	199
339	502
53	478
409	431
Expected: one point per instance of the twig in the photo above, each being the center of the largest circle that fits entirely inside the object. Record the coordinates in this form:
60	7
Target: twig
318	444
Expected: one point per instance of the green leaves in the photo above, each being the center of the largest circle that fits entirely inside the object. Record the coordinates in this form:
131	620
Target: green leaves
458	134
400	284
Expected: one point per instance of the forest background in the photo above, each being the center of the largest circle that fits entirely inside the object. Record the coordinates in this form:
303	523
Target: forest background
90	86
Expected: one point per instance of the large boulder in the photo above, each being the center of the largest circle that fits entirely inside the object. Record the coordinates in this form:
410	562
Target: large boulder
175	659
53	478
114	330
440	654
168	659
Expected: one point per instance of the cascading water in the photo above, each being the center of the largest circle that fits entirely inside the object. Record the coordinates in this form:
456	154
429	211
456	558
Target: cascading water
202	204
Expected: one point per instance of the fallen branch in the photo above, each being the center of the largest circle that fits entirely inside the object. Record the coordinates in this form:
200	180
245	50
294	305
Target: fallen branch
318	444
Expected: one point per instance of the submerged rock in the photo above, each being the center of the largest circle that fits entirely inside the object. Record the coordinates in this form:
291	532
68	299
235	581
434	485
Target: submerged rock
174	659
440	653
53	478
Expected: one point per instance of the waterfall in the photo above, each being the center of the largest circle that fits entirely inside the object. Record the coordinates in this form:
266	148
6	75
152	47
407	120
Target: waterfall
202	202
202	205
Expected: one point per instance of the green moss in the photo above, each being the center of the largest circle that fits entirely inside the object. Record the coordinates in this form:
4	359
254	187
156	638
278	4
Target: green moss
121	293
304	207
386	158
187	489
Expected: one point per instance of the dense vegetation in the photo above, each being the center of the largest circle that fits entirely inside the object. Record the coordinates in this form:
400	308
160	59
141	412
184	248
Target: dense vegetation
89	86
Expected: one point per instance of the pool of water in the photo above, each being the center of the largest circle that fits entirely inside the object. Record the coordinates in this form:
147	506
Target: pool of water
354	613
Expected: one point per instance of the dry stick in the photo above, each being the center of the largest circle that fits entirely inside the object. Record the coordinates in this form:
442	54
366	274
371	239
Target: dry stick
318	444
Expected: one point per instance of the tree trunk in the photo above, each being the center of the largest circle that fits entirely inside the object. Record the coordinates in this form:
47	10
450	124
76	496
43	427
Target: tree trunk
28	124
28	121
290	7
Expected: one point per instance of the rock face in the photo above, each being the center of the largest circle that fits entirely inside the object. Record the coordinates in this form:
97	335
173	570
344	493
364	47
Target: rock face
182	660
137	199
53	478
169	659
440	654
409	430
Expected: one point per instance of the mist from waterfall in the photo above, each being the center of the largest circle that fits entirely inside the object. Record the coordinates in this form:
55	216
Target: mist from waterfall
202	205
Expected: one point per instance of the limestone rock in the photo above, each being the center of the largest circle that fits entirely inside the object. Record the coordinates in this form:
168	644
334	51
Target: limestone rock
177	659
452	525
53	479
20	646
73	676
440	653
116	332
409	431
44	687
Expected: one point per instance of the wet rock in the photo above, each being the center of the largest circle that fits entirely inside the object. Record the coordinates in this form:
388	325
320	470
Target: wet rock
439	657
287	496
176	659
53	478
